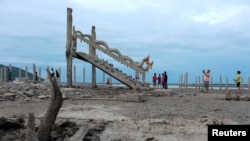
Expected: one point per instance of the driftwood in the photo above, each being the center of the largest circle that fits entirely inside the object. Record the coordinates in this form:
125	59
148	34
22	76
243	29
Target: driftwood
44	130
80	134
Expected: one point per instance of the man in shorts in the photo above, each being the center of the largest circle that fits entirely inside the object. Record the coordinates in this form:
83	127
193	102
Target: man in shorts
206	80
237	81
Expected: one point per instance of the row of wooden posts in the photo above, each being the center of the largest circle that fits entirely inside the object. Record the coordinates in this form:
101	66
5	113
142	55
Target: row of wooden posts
183	83
183	79
4	74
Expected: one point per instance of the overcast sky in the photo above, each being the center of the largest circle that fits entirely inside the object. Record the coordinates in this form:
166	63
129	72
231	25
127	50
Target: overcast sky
179	35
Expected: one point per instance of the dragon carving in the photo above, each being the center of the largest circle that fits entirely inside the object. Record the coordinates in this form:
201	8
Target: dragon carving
117	53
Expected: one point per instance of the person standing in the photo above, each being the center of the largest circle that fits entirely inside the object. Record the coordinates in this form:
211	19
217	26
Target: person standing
159	81
9	74
57	74
52	73
166	80
154	80
36	76
237	80
206	80
163	80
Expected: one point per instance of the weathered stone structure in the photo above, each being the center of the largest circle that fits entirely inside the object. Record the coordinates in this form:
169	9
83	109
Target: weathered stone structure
71	52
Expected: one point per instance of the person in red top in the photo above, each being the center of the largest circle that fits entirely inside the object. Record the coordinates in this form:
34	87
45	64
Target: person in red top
154	80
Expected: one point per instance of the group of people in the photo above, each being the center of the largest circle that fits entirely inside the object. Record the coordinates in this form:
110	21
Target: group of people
53	74
206	78
161	80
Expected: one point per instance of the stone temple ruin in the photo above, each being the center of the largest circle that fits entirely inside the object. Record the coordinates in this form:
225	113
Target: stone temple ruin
132	82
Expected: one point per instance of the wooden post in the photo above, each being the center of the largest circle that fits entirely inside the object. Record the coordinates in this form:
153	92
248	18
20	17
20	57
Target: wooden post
84	76
92	52
199	82
19	73
220	82
186	80
248	83
103	78
26	72
10	67
59	79
1	75
48	73
196	86
34	71
5	73
143	77
179	81
242	83
211	84
68	47
110	80
39	74
137	78
182	81
74	74
226	83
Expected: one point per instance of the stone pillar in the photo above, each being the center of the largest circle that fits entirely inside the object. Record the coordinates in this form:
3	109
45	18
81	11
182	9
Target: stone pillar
19	73
110	80
199	82
59	80
74	74
242	83
39	75
5	74
49	70
143	77
211	84
220	82
10	67
196	82
248	83
92	52
68	46
136	78
1	75
103	78
226	83
83	76
186	80
26	72
34	71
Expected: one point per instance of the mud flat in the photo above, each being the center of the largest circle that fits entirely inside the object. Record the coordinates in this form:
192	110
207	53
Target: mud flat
174	115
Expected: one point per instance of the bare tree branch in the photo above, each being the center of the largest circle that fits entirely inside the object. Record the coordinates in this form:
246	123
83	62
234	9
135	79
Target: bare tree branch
45	128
